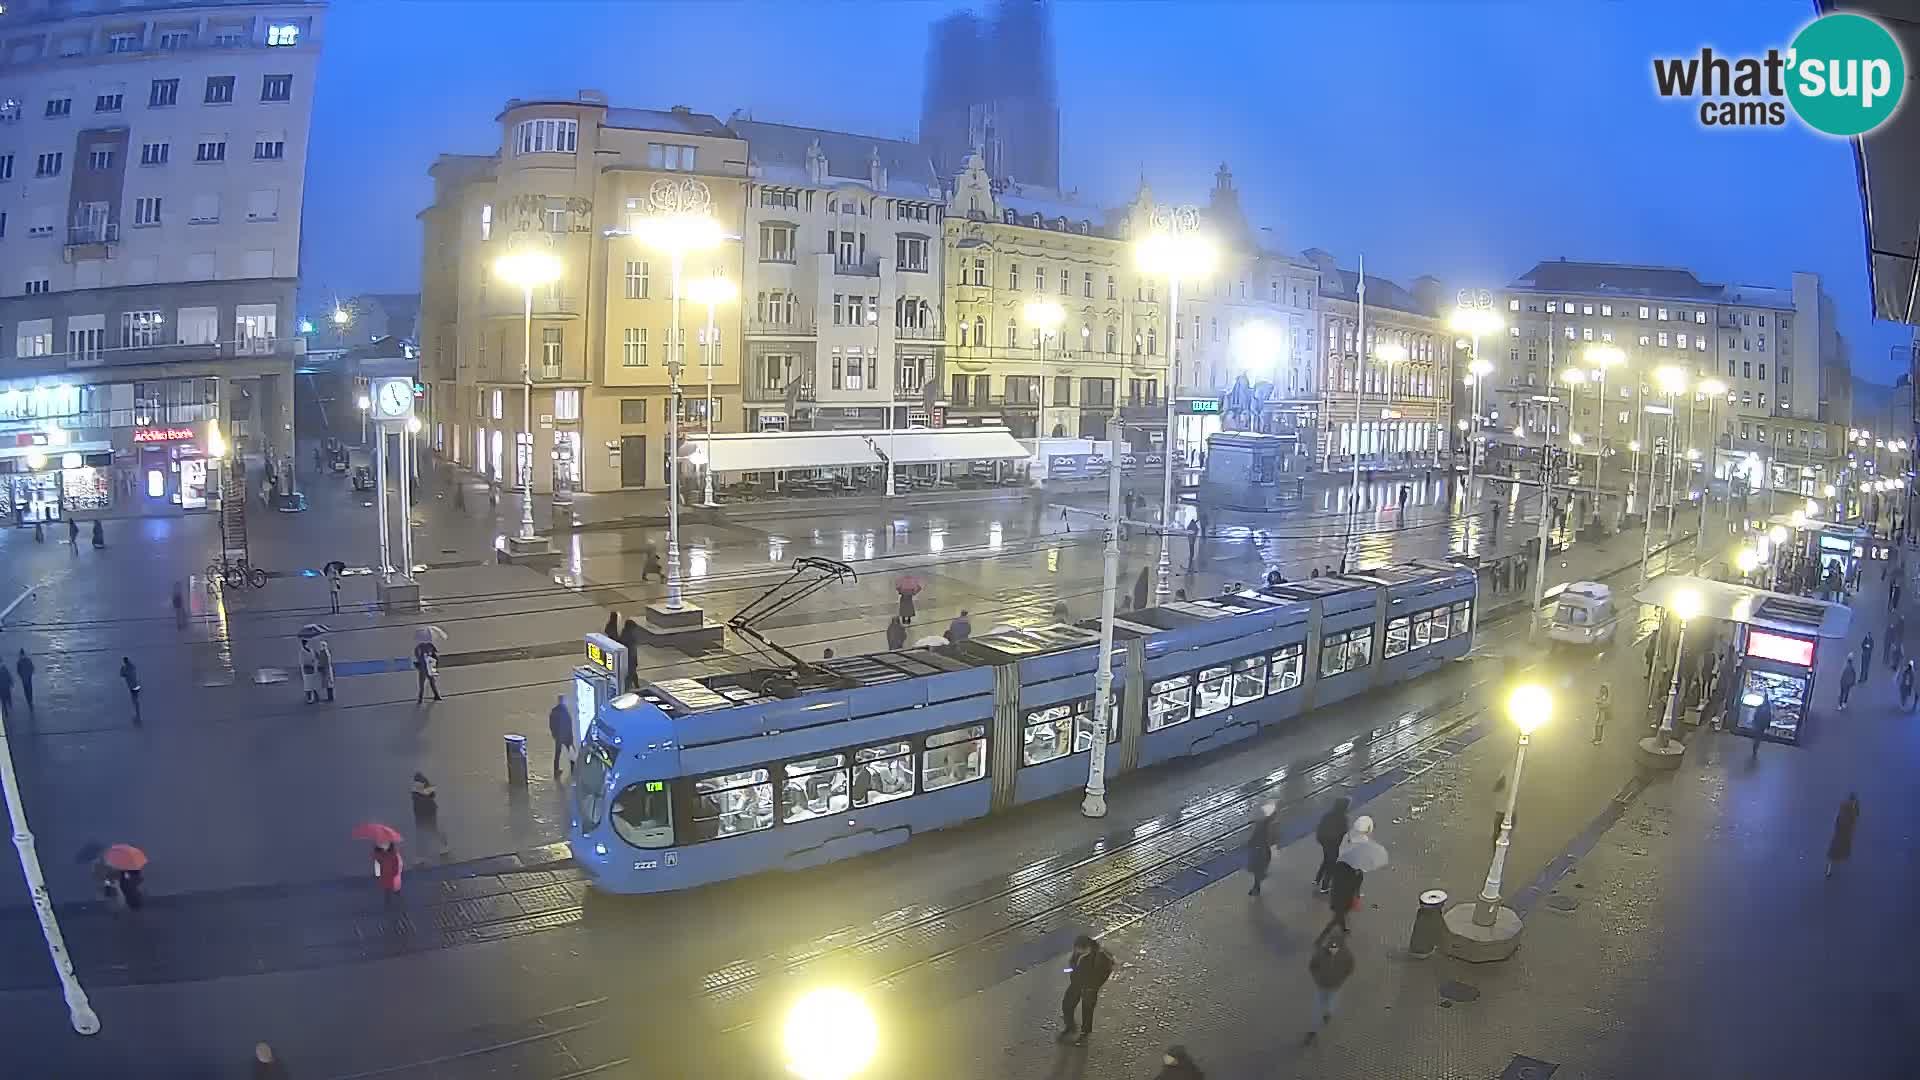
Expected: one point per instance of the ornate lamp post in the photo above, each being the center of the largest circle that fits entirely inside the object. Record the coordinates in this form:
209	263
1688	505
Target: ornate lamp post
1046	316
1474	316
711	291
1173	248
527	268
1489	930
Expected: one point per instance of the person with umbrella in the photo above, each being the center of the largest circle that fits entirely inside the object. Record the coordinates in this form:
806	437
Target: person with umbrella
426	665
908	588
1841	846
1360	854
119	868
387	868
309	671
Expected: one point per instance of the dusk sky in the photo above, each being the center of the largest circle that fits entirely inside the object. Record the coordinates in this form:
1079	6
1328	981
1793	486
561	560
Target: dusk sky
1465	140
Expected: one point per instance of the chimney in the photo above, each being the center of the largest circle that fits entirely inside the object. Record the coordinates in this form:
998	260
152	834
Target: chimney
816	163
594	97
681	110
876	171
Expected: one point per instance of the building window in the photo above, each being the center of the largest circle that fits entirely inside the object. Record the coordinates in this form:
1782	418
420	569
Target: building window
162	93
37	286
99	159
1013	276
6	166
566	404
633	348
282	35
672	157
776	243
106	103
59	106
269	149
636	280
85	342
911	252
550	353
1113	338
1066	282
140	329
276	88
211	151
550	135
633	410
219	90
155	153
146	211
1086	285
1013	334
1039	279
49	164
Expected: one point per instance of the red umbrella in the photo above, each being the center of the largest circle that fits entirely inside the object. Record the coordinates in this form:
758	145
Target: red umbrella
376	832
124	857
907	585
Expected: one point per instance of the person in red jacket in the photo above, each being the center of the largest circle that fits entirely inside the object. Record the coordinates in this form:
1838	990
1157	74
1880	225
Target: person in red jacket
387	870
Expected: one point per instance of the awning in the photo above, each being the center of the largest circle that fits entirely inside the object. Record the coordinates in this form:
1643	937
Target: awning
1745	604
767	451
1887	162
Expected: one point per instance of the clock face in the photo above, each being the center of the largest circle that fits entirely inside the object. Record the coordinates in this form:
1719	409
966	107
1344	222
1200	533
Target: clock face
395	398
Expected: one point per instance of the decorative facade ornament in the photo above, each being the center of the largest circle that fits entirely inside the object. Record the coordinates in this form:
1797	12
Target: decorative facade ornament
1176	219
683	196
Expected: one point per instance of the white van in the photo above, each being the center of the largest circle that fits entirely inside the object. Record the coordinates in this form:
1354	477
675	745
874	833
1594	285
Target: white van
1583	614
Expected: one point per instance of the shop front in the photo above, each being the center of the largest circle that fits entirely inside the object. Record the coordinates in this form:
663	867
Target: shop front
171	469
49	483
1195	419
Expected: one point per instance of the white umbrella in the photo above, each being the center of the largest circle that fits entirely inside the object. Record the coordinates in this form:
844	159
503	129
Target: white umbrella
313	630
1362	852
931	642
430	634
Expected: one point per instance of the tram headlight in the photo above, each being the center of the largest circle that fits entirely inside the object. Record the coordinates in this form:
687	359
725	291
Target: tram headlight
600	849
830	1035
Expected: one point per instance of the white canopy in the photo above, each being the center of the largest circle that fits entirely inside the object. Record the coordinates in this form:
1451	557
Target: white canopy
767	451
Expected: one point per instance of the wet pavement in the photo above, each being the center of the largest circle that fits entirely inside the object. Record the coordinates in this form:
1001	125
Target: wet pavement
971	908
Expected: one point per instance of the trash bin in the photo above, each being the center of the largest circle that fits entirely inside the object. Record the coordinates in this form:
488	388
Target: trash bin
517	760
1429	925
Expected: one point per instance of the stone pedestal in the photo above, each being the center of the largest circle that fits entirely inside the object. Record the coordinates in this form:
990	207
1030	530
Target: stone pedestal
685	628
1654	756
530	551
398	594
1476	944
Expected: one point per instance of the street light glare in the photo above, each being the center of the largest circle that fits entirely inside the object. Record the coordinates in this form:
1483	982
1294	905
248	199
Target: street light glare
1713	388
830	1035
1389	352
712	290
1748	560
340	316
364	403
1686	605
1529	706
1256	345
1478	321
1605	356
527	269
1672	380
1044	314
1480	368
1634	445
1181	256
1574	376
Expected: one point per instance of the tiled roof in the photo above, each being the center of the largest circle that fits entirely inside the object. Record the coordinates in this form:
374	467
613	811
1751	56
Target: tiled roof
686	123
1344	285
1559	275
784	147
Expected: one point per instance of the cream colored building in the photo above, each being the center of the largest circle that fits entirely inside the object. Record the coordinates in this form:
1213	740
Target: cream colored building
577	178
1394	413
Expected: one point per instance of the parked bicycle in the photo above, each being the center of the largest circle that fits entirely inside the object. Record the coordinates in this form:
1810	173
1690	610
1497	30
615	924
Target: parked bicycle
234	574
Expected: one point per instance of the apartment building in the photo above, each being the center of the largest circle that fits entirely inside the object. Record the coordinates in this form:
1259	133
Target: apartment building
1048	324
1780	424
842	285
152	158
1387	392
578	179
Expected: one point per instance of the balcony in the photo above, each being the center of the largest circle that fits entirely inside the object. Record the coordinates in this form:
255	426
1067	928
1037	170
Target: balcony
864	268
796	327
930	332
758	391
94	240
502	304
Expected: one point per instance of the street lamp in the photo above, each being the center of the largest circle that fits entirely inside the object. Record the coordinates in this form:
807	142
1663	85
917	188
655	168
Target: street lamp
1671	381
830	1034
679	223
1575	378
1174	249
366	405
1095	803
1475	322
341	317
529	269
712	291
1477	372
1045	316
1528	706
1603	357
1685	606
1714	389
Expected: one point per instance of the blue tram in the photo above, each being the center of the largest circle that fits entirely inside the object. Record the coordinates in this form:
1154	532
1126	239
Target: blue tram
699	780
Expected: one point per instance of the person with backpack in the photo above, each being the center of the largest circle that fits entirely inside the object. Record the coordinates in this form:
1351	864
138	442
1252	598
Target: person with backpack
1087	971
1330	966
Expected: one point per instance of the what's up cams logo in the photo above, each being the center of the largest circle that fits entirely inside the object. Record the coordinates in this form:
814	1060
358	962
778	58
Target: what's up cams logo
1843	75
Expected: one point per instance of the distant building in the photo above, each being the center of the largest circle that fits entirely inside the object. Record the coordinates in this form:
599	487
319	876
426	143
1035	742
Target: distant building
1388	406
153	157
990	86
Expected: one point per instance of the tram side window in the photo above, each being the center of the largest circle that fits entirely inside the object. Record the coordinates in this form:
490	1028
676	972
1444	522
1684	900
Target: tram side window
954	757
1083	722
1249	679
1046	734
814	787
1346	650
1423	629
642	814
1396	636
590	781
1440	624
1462	617
1170	703
733	803
1215	692
882	773
1283	673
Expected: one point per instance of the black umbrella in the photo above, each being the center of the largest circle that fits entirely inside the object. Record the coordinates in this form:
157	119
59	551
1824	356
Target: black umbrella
334	567
90	851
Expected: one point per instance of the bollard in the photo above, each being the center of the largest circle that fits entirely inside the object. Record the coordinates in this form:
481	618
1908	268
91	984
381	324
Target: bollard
517	760
1429	925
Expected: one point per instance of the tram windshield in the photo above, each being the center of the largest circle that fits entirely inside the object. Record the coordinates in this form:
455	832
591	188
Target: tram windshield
590	781
643	814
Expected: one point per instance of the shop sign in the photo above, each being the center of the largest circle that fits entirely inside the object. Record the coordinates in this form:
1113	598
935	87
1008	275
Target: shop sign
1787	650
164	435
1201	405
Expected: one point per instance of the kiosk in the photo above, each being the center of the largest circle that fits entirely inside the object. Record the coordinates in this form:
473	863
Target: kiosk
597	681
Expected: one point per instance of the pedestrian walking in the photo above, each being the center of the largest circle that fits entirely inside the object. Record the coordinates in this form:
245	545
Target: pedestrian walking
630	637
612	629
426	664
897	634
650	563
1177	1064
131	676
1060	614
6	688
560	725
1329	832
323	661
387	872
333	588
1141	585
960	629
1087	971
1193	542
99	536
1893	594
309	673
1405	494
1841	846
906	608
1128	505
426	813
1906	686
1524	570
180	607
73	535
1866	657
1330	967
133	891
1260	846
1602	712
1847	679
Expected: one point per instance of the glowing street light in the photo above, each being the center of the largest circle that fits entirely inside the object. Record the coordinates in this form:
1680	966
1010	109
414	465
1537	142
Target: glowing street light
1175	249
1529	706
1476	322
1047	317
1747	560
341	317
713	291
365	404
830	1034
1257	346
1672	381
530	269
1686	605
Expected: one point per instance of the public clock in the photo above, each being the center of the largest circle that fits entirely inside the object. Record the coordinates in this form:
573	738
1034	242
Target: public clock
393	398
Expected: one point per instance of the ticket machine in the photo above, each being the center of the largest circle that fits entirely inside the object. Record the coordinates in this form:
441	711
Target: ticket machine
597	681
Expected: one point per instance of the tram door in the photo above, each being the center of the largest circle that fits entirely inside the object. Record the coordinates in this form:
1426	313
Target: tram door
1133	704
1006	734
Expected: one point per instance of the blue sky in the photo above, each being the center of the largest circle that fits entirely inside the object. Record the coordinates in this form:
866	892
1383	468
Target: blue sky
1461	139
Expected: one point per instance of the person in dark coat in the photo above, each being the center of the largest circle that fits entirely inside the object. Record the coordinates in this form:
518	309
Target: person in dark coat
1847	678
1260	846
132	889
630	637
1331	965
426	812
1141	585
73	535
1193	542
1329	832
560	726
960	629
1906	686
1342	897
1087	971
6	688
99	537
650	564
24	667
179	607
896	634
1841	846
906	608
1177	1064
131	676
426	668
612	629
